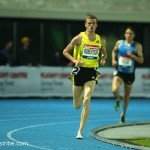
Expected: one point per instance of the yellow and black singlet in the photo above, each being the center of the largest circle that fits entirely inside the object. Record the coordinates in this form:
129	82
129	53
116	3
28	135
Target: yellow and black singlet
88	51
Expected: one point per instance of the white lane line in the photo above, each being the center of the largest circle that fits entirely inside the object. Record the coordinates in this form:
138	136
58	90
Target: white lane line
10	133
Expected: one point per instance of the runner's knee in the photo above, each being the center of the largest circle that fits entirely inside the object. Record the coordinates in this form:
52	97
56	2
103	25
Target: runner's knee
86	102
77	104
126	99
114	89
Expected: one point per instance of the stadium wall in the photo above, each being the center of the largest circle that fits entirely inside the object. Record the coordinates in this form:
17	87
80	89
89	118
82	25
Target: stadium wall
106	10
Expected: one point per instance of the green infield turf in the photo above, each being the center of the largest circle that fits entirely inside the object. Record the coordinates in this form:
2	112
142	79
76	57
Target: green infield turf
141	142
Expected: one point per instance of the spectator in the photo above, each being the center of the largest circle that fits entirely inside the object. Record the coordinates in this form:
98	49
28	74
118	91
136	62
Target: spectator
5	55
25	57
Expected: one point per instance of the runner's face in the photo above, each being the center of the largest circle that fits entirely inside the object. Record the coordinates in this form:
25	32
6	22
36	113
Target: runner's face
91	25
129	34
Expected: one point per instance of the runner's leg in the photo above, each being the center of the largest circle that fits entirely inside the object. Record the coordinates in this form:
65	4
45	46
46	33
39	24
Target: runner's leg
127	91
88	90
116	83
77	96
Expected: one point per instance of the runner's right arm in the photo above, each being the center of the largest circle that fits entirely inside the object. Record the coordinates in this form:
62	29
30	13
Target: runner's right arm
66	52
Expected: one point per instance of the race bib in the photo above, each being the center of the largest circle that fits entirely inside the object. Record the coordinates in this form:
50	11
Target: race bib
125	61
90	51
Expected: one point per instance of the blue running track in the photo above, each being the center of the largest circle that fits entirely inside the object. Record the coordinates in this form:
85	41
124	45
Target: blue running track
52	124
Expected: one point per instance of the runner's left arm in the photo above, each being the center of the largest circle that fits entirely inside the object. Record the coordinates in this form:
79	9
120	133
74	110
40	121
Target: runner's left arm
104	53
139	58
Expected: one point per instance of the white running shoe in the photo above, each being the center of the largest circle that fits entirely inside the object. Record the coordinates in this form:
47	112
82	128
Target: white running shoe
79	136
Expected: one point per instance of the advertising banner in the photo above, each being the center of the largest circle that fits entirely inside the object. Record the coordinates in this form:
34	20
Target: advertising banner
54	82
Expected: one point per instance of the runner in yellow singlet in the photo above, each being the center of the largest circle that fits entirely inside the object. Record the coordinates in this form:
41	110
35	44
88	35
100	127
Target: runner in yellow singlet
89	52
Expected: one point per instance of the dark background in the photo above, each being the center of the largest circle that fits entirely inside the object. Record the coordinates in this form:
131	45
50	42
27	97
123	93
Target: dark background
50	37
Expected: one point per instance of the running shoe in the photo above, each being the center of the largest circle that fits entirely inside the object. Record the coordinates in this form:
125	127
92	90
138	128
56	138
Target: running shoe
122	119
117	105
79	136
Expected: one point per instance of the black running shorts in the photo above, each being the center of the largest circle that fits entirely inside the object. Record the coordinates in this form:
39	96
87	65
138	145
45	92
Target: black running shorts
128	78
82	75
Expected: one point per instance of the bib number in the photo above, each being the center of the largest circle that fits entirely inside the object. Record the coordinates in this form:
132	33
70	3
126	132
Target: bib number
90	52
124	61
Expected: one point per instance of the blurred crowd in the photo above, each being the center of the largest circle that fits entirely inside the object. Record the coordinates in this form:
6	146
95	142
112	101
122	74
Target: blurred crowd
24	58
25	55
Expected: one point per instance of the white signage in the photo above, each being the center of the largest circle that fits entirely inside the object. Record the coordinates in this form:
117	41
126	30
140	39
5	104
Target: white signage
54	82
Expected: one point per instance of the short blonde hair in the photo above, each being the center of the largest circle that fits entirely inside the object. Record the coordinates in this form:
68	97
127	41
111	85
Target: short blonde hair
90	16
